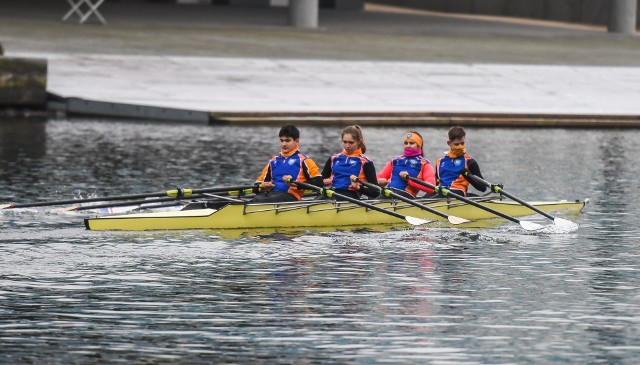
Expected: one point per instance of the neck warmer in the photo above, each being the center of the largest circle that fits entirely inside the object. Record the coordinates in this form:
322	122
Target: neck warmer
411	152
457	151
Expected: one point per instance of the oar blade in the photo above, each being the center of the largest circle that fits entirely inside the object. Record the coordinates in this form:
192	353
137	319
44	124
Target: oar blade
457	220
5	206
563	222
416	221
530	226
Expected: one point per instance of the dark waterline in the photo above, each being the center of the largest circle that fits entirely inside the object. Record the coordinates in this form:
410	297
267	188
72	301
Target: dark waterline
433	295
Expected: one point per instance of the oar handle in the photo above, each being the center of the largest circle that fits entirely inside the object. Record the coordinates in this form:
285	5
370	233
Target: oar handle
389	192
447	192
493	187
368	184
498	189
233	190
330	193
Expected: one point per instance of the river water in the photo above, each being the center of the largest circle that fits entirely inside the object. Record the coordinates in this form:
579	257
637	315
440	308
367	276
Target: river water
409	296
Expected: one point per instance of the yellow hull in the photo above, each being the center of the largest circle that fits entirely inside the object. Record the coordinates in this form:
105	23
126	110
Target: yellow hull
314	214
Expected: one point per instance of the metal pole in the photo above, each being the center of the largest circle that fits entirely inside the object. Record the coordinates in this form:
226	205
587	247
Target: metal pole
623	16
303	13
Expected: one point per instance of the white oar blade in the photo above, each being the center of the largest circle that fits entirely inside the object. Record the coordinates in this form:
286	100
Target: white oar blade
530	226
5	206
416	221
457	220
563	226
563	222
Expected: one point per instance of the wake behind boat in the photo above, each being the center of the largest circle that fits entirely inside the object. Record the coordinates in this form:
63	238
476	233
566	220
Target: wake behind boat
324	213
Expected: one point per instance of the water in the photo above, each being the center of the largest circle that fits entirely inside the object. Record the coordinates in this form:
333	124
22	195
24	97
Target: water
409	296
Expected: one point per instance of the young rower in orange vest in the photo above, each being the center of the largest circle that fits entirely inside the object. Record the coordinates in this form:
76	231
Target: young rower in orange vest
272	185
450	168
412	163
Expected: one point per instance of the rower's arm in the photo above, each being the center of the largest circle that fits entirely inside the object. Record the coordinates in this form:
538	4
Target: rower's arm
474	168
312	173
327	170
264	176
384	176
370	175
427	175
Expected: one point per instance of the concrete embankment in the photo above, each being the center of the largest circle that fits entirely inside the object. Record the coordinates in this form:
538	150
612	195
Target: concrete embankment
432	119
222	65
23	82
210	91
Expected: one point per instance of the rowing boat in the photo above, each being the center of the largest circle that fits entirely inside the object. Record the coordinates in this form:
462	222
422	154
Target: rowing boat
319	213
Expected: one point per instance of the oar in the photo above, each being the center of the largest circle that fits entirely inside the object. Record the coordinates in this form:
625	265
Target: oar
529	226
216	199
330	193
388	192
128	203
498	189
176	194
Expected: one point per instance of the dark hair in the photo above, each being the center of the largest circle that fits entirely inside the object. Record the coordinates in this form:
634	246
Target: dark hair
421	147
289	130
456	132
356	132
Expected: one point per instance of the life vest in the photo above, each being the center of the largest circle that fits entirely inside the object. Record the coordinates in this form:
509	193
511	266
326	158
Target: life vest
343	166
413	166
449	172
279	166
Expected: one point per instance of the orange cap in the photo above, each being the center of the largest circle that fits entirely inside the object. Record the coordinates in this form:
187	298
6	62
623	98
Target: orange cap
413	137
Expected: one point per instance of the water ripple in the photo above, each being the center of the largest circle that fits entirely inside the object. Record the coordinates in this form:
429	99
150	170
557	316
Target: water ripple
404	296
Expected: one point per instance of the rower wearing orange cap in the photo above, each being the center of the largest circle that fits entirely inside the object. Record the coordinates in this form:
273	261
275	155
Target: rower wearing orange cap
412	163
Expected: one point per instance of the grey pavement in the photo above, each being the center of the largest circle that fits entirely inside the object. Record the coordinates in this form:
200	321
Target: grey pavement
216	58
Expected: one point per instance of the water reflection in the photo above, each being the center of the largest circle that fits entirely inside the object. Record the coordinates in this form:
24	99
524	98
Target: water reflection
615	186
609	271
22	138
22	144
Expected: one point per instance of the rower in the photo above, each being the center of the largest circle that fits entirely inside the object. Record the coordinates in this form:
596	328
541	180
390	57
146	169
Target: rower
410	163
272	186
341	168
451	167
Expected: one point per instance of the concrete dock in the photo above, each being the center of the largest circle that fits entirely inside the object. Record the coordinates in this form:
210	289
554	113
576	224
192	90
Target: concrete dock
247	64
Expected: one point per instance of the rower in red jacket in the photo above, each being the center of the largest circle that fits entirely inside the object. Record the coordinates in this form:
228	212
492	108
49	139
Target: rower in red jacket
412	163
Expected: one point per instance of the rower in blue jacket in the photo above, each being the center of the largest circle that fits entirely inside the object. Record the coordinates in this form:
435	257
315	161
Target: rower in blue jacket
273	185
341	168
451	167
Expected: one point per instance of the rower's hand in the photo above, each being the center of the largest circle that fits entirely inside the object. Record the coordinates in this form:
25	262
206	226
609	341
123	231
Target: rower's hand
403	174
354	182
383	182
327	182
265	186
289	180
